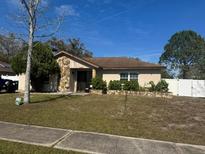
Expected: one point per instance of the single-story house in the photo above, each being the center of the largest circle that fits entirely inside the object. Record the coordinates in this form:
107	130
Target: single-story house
76	73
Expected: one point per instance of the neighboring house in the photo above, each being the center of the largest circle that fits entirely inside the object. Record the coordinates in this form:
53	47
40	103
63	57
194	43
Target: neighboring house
7	76
5	69
7	73
76	73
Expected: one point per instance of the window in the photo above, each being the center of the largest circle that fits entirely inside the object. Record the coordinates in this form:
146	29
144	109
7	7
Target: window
133	76
124	76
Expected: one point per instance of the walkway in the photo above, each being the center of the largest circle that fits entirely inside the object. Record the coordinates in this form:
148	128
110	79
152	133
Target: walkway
89	142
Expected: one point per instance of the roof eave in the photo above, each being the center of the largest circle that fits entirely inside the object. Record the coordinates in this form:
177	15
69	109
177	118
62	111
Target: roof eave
128	68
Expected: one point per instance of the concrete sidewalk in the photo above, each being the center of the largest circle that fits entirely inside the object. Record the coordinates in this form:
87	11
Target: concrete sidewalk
89	142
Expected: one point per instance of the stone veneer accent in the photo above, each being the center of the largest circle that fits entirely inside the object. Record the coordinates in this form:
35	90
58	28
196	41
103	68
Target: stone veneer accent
64	83
134	93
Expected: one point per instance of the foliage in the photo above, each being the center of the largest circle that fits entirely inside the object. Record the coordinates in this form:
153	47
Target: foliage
43	61
152	86
125	85
166	74
131	85
74	46
199	69
18	62
98	83
115	85
182	52
104	87
162	86
43	64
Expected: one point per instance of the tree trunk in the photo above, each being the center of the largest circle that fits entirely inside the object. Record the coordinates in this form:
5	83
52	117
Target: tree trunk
28	66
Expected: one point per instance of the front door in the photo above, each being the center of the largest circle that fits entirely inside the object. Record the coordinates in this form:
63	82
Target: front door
82	79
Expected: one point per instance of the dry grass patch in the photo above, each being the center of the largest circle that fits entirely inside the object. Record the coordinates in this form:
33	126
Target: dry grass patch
180	119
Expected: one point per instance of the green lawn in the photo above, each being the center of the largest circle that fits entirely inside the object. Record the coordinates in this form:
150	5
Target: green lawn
179	119
19	148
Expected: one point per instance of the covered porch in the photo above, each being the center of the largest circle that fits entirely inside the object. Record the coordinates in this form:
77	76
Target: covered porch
75	73
80	79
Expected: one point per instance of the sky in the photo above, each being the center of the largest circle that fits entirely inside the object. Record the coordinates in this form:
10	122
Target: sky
132	28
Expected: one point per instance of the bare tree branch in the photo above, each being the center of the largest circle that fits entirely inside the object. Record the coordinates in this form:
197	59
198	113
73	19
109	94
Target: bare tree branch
26	5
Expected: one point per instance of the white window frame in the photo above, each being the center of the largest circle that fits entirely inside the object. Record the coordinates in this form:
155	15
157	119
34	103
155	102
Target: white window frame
124	73
129	75
137	74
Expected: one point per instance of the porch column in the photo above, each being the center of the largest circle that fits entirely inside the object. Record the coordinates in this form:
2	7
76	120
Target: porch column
93	73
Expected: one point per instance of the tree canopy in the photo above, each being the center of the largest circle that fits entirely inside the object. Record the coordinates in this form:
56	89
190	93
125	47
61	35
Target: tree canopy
9	46
43	64
183	53
74	46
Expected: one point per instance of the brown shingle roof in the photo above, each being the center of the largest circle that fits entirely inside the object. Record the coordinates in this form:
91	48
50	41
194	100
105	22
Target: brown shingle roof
5	68
122	63
114	62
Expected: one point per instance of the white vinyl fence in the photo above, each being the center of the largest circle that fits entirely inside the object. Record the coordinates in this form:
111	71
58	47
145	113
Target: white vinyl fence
186	87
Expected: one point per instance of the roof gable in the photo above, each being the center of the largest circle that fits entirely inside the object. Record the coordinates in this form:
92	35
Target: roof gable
78	59
5	68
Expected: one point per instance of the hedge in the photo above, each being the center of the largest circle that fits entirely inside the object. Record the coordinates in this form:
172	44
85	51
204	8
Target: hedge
115	85
124	85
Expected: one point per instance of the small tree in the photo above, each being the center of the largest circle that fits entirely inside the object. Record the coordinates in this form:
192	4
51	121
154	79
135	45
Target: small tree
43	64
32	16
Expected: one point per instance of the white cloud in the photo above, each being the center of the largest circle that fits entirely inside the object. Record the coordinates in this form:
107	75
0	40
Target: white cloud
66	10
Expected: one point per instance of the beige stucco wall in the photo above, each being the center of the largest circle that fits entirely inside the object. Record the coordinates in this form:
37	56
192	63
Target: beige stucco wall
76	64
21	83
111	75
144	77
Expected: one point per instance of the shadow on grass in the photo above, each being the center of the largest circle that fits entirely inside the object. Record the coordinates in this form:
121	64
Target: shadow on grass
48	99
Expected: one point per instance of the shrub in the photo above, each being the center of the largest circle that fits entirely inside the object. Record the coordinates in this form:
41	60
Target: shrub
98	83
104	87
115	85
131	85
153	86
162	86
